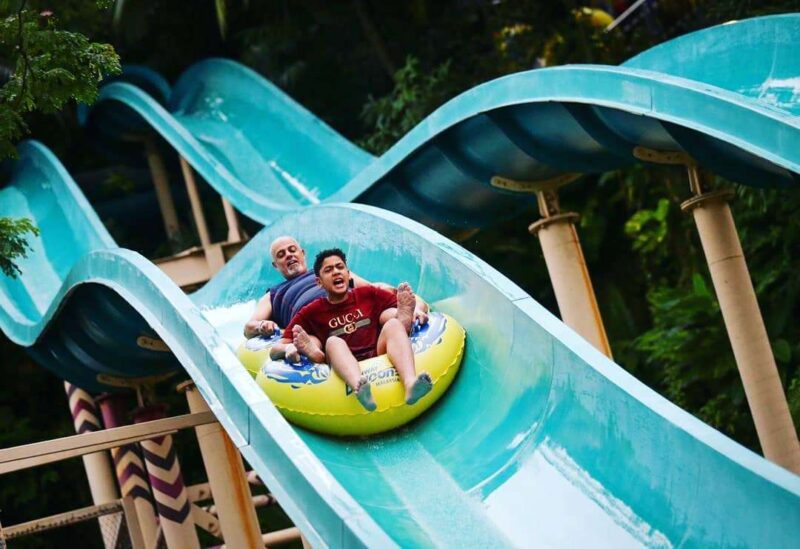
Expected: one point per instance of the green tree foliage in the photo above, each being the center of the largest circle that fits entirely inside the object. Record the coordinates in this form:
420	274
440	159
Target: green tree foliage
45	67
415	95
685	348
48	68
13	244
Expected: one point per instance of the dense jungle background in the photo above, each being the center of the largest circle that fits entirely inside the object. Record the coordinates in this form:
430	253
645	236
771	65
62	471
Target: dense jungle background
372	70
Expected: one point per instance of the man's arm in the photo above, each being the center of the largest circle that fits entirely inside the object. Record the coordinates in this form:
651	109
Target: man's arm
260	322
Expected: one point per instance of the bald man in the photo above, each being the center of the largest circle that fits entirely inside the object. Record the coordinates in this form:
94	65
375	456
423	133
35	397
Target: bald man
300	288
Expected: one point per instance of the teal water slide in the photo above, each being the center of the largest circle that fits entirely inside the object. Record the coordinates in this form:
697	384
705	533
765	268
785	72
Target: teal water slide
541	440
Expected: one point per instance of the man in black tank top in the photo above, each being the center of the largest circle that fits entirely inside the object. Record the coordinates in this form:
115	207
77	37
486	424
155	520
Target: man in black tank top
300	288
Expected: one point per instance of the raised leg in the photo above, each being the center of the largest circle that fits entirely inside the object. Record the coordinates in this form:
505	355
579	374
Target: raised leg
394	341
307	344
341	359
405	306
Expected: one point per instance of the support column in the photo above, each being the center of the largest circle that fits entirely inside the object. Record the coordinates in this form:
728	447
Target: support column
98	469
197	206
172	499
130	470
744	323
132	520
234	232
568	272
229	488
161	182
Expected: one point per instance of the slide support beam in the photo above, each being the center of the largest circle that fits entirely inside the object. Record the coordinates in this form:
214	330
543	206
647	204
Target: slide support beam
568	272
172	499
98	468
226	476
158	172
130	469
743	322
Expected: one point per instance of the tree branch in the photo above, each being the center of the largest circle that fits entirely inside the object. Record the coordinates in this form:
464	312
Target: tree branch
374	38
23	52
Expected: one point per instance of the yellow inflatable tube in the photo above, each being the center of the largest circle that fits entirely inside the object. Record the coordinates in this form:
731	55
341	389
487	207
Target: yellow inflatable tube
312	396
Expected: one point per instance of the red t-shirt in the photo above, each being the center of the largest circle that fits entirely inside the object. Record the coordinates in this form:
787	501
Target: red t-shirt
356	319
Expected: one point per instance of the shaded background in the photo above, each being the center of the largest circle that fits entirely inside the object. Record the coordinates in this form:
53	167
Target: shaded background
372	70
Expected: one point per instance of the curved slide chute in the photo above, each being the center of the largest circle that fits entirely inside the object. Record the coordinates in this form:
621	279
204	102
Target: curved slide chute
538	434
541	439
99	341
477	158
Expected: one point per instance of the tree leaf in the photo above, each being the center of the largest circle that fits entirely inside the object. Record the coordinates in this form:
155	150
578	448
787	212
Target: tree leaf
782	350
699	285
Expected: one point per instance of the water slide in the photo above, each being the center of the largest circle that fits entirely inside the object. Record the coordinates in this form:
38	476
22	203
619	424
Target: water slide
541	440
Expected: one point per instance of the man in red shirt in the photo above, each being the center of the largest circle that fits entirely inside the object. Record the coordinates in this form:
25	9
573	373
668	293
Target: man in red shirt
352	324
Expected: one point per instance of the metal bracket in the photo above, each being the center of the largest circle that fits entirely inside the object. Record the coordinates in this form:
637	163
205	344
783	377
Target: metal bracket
133	382
532	187
550	210
536	226
663	157
722	195
152	344
548	203
697	183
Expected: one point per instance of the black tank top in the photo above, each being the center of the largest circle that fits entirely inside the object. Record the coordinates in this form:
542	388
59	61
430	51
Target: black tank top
291	295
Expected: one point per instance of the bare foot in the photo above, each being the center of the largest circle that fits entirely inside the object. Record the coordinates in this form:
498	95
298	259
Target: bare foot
421	387
305	345
405	305
364	394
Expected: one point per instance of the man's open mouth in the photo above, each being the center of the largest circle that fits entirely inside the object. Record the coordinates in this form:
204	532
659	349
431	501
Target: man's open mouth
338	283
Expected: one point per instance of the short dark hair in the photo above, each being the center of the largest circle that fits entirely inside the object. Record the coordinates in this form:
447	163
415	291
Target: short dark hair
325	254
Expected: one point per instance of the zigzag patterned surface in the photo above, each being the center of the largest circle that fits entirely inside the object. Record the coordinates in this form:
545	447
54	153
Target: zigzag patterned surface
131	472
172	499
84	412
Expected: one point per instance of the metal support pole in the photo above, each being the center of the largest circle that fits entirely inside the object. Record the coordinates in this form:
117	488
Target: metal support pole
98	469
197	206
172	499
161	182
568	272
130	470
226	475
744	323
